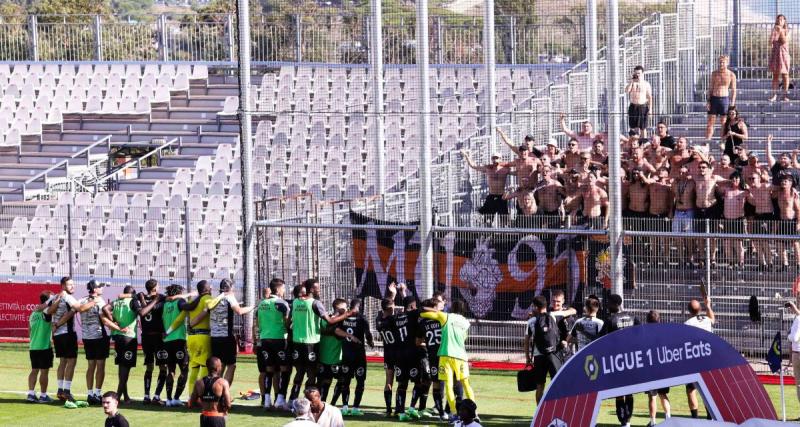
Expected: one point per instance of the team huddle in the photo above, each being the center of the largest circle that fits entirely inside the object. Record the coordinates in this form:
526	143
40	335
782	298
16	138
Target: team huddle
190	337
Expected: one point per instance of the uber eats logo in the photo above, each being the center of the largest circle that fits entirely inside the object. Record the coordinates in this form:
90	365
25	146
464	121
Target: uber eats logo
591	367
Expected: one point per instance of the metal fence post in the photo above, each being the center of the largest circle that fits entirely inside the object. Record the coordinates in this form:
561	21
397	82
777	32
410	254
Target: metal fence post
98	38
231	48
439	44
187	245
298	47
512	28
162	23
613	111
69	237
708	258
737	48
33	34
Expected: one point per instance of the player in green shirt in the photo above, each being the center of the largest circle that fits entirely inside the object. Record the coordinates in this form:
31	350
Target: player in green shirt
175	344
330	348
453	360
41	350
270	329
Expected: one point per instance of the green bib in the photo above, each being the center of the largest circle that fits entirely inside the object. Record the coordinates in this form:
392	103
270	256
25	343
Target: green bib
305	323
270	321
454	337
330	348
40	331
171	311
124	315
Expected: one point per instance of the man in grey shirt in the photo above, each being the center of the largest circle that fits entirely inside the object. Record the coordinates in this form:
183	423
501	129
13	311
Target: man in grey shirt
96	341
63	307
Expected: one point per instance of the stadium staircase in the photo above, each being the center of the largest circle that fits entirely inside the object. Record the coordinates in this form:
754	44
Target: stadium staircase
668	287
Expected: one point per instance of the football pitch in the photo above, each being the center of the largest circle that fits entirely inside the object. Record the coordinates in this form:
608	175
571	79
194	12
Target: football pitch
499	403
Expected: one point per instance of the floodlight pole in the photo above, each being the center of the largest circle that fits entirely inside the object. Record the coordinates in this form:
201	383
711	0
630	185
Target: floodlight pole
425	288
376	50
245	153
490	60
614	178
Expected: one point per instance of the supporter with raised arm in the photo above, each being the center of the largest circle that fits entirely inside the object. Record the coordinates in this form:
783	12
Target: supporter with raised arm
721	95
683	189
528	142
705	322
641	100
660	201
496	178
788	201
782	167
759	195
585	137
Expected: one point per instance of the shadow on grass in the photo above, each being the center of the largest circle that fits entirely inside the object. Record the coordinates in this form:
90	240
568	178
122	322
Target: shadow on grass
371	413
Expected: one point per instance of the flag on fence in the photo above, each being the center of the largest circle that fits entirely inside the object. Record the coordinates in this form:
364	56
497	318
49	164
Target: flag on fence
774	353
496	275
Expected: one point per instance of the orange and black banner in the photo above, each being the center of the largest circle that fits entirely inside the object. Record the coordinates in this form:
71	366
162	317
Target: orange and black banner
497	275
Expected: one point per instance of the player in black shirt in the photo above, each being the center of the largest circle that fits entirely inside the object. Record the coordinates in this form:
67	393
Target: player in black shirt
429	338
618	319
354	360
383	323
407	357
113	417
152	338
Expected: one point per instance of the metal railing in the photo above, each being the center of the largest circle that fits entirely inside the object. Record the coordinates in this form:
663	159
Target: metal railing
109	181
325	38
69	181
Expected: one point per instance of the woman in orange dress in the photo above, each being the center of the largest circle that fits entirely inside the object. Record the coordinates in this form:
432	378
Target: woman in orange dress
780	62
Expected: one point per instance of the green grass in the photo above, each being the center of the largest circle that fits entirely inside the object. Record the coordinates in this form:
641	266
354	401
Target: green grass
498	400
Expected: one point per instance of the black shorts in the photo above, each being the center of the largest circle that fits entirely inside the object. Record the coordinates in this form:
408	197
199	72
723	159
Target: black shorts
153	349
273	353
407	366
126	349
494	204
544	364
97	349
706	213
328	371
305	354
389	358
637	116
66	345
433	361
41	359
654	393
176	352
718	105
225	349
206	421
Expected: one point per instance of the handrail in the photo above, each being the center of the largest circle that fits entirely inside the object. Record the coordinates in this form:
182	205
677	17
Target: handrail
138	161
64	163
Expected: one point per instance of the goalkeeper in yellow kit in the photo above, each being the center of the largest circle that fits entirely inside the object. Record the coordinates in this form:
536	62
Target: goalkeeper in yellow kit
198	339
